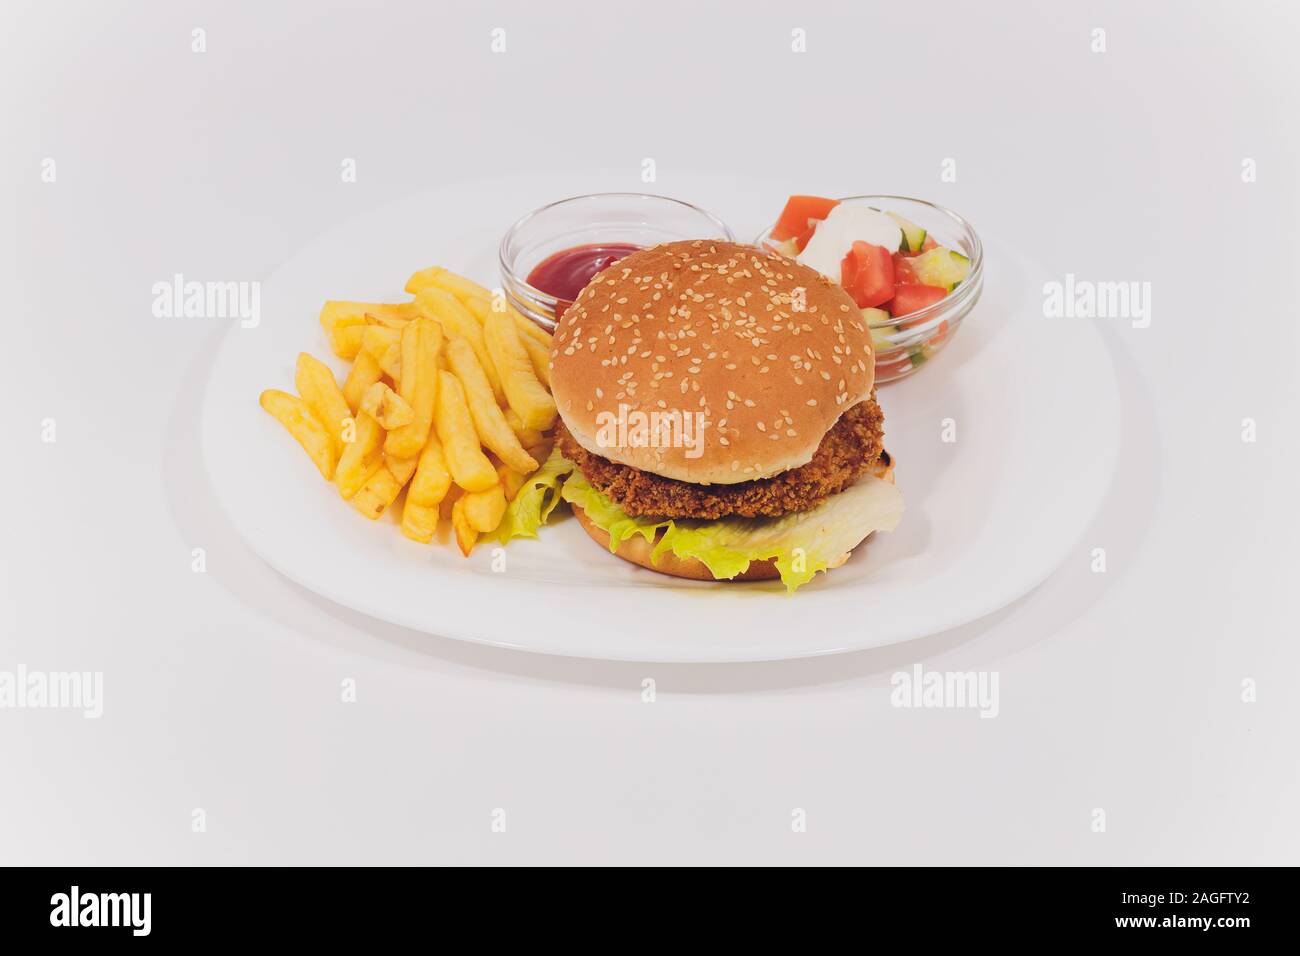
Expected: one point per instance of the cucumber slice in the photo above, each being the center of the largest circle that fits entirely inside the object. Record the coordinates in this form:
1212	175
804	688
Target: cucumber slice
941	267
913	235
880	341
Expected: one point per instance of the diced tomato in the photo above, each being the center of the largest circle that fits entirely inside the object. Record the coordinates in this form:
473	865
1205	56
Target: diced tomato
911	297
796	216
867	274
903	271
928	244
801	240
893	369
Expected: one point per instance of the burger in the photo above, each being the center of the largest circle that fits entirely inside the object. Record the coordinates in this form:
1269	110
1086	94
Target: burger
718	419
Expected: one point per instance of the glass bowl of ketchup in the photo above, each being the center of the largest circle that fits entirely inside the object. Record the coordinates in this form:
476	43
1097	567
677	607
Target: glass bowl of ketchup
550	255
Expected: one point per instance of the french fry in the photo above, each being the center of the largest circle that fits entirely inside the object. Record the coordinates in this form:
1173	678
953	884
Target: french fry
458	286
540	356
526	436
530	329
537	343
401	468
419	522
387	407
526	394
322	394
465	459
296	415
462	288
511	481
479	308
489	422
332	318
377	339
362	457
341	312
365	372
454	494
526	327
385	346
438	303
484	509
466	535
459	322
428	487
542	450
432	478
345	340
418	385
379	491
421	279
387	320
391	363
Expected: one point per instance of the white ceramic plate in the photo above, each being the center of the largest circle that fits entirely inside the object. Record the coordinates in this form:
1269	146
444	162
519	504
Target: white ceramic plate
988	517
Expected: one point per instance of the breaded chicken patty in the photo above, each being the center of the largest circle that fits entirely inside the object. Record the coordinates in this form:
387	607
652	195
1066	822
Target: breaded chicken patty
847	451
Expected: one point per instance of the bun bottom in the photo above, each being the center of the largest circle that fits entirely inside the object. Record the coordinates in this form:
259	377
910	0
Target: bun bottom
637	549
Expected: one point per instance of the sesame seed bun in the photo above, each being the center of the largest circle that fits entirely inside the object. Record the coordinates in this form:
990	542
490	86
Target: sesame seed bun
637	549
738	360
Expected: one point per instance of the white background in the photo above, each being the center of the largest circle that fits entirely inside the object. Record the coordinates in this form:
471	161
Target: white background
1120	691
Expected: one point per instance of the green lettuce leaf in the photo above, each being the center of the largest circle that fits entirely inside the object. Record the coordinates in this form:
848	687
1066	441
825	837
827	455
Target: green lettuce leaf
800	544
533	505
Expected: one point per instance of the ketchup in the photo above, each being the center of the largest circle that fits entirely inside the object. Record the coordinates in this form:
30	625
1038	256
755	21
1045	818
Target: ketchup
567	272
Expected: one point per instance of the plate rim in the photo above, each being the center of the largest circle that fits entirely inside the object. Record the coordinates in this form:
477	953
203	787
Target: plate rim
472	629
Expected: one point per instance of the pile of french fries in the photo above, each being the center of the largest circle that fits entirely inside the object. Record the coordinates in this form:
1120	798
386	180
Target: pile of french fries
448	398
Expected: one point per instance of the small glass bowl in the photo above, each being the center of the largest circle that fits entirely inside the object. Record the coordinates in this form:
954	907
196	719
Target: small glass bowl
638	218
918	337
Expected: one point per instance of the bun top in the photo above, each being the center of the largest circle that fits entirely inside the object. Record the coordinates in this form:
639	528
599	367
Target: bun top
709	362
